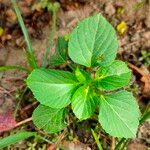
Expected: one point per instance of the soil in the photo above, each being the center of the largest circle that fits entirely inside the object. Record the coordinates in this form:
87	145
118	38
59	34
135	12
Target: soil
133	43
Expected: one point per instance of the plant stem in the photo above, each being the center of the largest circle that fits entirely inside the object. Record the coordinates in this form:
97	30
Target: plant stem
44	139
120	143
6	68
50	40
124	144
113	143
30	54
97	140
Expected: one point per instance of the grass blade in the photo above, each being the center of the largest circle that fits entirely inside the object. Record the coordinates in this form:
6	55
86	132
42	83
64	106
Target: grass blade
6	68
51	38
97	140
145	117
146	114
31	59
120	144
12	139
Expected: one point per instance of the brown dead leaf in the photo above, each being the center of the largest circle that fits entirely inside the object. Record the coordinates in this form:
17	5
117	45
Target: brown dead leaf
6	37
145	78
26	11
137	146
51	147
7	121
11	16
74	145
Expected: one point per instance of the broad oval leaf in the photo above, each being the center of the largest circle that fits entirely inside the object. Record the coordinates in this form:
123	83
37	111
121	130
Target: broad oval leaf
84	103
49	119
119	114
93	37
60	55
52	88
113	76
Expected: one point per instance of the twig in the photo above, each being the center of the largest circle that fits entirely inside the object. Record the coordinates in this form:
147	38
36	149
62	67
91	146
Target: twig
23	122
60	137
15	78
136	69
29	107
113	143
7	92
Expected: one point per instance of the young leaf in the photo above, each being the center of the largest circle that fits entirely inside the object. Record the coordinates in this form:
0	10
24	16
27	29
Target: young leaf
81	75
12	139
84	103
49	119
119	114
113	76
93	37
60	56
52	88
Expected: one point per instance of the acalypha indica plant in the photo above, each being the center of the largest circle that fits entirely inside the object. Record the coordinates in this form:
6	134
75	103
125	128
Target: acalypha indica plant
95	84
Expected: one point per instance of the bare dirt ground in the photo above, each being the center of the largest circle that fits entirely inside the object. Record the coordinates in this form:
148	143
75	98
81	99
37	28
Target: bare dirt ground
134	48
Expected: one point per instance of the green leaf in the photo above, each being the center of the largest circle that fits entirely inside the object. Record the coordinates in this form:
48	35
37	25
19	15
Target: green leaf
49	119
93	37
113	76
119	114
12	139
60	55
84	103
81	75
107	58
52	88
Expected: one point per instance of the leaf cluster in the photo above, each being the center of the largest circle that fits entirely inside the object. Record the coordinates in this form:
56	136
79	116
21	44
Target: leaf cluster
94	83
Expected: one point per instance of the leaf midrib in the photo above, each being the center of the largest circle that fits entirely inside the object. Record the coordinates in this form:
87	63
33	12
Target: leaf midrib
49	83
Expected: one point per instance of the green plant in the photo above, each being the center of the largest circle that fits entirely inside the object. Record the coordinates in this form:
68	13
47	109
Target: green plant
53	7
145	58
94	83
12	139
29	50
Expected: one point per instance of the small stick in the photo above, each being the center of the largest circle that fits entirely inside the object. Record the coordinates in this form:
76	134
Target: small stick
60	138
28	107
113	143
136	69
23	122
